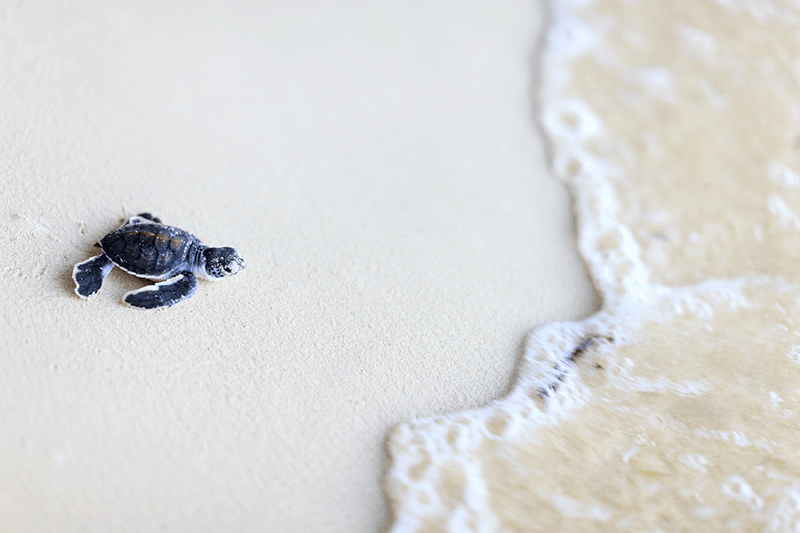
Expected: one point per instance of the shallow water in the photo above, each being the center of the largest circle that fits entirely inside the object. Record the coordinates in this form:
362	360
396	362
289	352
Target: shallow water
677	126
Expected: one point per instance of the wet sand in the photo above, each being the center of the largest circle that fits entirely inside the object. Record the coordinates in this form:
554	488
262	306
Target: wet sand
675	407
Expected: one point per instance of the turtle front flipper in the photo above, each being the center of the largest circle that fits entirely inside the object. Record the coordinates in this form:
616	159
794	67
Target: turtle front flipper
142	218
89	275
164	294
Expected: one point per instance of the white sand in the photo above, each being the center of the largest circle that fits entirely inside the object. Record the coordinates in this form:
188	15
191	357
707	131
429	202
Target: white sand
377	165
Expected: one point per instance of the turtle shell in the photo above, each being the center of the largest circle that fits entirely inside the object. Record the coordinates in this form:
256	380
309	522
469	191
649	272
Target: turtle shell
149	250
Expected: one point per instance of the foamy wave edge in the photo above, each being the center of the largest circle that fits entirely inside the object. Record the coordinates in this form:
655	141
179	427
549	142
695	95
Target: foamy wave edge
424	453
431	479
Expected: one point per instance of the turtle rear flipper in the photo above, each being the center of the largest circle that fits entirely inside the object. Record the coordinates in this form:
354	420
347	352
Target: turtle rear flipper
89	274
164	294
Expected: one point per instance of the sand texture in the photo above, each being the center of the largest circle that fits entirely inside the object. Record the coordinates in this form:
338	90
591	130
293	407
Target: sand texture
675	408
379	167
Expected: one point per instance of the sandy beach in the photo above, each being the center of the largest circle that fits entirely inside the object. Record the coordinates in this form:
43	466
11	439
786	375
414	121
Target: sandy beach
380	168
675	407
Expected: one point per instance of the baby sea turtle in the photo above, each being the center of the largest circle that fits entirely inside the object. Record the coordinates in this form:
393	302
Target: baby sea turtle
145	247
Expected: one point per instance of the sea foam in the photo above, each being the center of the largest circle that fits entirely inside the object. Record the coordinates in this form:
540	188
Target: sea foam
676	406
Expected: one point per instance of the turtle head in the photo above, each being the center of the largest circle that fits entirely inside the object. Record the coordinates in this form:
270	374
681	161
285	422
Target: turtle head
221	262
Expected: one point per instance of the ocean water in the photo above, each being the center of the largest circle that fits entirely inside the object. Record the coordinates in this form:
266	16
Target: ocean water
676	125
